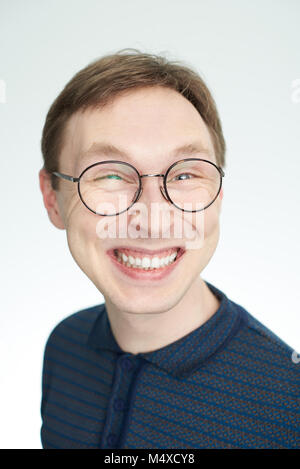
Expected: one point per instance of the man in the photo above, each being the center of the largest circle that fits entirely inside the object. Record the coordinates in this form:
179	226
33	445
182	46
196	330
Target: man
168	361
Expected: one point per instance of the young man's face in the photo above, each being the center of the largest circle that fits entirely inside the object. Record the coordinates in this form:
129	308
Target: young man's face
148	125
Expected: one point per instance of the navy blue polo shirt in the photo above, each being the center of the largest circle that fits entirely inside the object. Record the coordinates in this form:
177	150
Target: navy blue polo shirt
231	383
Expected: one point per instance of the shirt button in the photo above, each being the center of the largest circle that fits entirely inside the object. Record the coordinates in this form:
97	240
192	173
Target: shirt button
127	364
119	404
111	439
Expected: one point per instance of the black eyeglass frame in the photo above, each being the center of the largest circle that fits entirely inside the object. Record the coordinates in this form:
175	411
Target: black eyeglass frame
163	191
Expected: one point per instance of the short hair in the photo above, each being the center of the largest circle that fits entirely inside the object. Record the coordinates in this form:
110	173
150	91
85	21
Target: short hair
104	79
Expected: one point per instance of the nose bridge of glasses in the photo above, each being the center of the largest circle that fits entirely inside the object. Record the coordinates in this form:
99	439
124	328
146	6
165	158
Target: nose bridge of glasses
152	175
162	190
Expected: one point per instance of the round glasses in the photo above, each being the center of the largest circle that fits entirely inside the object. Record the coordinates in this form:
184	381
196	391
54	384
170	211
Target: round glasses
111	187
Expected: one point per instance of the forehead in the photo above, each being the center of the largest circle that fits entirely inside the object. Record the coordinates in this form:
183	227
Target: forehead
148	124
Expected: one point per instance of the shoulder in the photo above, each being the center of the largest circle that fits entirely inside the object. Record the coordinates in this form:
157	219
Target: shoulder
261	333
75	327
66	351
260	347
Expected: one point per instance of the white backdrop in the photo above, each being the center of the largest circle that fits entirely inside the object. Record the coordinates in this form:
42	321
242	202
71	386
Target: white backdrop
249	55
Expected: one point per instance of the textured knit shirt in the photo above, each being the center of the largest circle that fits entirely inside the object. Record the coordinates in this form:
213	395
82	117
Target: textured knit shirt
230	383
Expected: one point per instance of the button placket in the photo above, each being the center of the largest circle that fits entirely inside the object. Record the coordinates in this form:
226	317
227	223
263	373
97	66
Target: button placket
127	364
118	404
111	439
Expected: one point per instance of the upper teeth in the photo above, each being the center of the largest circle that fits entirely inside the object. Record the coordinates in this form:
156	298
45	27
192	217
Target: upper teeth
146	262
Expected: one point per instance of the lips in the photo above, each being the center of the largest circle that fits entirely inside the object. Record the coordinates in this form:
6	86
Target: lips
145	263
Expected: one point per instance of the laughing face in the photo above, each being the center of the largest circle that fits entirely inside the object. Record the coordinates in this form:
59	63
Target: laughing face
152	271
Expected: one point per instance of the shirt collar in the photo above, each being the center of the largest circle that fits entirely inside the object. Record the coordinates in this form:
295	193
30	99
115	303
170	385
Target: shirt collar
184	356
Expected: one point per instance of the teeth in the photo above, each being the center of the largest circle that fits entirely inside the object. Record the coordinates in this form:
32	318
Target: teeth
146	263
131	260
155	263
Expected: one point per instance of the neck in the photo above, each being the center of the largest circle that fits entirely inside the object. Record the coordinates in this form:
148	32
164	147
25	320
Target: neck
148	332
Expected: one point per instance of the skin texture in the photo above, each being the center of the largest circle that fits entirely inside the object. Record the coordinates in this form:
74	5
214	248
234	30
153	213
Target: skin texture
147	124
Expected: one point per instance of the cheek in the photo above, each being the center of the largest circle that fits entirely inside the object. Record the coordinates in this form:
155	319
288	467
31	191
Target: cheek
82	237
205	223
209	234
211	223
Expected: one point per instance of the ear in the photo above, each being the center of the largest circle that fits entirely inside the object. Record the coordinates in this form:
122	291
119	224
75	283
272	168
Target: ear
221	193
50	199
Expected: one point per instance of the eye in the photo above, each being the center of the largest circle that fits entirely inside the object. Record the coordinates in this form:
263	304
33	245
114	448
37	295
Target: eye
183	176
109	176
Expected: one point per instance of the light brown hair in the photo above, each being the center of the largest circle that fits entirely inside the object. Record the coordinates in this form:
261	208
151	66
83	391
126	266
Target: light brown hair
97	84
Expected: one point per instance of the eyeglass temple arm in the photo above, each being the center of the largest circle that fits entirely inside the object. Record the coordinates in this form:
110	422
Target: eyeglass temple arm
65	176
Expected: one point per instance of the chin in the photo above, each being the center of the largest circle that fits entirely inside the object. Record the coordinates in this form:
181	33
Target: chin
139	304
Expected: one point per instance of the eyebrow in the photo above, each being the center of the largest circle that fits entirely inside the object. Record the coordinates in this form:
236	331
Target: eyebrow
107	149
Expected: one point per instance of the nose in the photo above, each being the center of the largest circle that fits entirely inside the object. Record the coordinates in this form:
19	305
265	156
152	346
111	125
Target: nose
157	220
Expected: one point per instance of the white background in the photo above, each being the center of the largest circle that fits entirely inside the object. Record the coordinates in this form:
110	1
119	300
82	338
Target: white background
249	55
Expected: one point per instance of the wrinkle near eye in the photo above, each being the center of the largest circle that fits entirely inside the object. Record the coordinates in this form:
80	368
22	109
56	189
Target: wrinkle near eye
74	205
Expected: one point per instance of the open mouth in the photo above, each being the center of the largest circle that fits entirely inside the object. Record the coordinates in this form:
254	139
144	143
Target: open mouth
138	261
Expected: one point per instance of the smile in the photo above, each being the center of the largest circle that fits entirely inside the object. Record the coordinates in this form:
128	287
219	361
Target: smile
144	264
